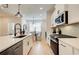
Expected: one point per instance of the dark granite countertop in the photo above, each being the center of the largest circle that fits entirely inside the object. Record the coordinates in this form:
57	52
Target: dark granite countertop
61	36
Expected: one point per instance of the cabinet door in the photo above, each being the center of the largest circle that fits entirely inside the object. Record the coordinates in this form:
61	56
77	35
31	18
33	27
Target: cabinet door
73	13
25	46
30	42
60	8
65	49
53	16
76	51
18	50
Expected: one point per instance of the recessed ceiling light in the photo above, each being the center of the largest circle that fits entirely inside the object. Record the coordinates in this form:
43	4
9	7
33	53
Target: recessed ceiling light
41	8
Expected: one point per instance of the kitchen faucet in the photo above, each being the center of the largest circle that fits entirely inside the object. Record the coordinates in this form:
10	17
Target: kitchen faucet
18	28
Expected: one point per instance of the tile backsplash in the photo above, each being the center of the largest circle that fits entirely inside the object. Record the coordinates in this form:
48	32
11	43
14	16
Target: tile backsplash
72	30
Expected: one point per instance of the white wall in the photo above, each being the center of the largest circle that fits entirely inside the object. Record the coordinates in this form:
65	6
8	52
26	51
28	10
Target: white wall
6	23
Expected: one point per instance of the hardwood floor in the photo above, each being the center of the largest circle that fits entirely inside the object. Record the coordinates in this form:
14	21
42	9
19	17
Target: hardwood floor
41	48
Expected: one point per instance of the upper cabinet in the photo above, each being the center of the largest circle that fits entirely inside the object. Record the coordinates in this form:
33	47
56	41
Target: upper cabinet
60	8
53	17
73	15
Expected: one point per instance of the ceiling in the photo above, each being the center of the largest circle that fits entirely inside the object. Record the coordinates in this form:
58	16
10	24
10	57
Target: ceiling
30	10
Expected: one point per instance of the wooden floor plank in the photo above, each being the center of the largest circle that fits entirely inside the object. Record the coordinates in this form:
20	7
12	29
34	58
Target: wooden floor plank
41	48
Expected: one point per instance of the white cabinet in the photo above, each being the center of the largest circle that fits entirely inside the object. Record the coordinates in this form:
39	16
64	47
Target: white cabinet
60	8
53	18
76	51
27	44
73	14
64	49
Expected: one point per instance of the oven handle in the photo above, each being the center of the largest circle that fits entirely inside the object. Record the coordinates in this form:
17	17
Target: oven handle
54	41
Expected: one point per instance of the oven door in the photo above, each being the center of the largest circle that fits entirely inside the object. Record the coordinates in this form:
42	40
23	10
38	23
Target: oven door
54	46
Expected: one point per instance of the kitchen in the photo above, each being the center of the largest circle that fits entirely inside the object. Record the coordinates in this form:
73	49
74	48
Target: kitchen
64	40
55	25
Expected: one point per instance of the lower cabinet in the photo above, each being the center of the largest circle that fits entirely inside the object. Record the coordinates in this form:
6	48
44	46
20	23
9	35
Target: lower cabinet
27	45
21	48
76	51
65	49
16	49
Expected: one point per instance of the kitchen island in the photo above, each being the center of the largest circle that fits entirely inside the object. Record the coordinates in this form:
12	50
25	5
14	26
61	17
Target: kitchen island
8	43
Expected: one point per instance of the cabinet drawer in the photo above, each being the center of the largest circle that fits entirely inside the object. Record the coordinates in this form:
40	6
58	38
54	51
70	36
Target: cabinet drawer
65	49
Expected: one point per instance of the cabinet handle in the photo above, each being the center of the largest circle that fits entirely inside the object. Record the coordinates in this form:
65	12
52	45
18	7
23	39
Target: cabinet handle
63	45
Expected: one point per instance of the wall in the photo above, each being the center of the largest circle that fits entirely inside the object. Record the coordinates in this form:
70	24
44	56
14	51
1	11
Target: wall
3	25
47	23
71	30
5	22
43	28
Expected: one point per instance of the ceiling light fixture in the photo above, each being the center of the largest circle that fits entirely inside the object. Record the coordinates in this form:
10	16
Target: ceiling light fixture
41	8
18	14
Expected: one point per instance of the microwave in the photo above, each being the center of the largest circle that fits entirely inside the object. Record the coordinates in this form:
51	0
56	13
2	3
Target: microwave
62	18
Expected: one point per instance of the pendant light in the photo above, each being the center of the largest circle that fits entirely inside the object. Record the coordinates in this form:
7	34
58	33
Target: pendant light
18	14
